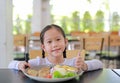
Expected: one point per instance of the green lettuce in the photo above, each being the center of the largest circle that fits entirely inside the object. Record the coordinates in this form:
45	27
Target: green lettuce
57	74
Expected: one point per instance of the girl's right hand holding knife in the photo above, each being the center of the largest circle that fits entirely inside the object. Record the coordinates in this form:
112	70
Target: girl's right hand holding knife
22	65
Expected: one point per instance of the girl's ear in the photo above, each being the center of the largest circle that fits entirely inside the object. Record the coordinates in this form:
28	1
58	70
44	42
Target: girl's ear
66	42
43	47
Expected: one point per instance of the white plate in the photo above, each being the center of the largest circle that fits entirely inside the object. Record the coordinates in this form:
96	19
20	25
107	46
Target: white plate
52	79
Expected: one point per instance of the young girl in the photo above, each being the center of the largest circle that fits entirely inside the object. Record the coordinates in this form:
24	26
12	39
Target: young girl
54	43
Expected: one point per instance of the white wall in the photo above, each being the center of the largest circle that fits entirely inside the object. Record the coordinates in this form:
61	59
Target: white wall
6	40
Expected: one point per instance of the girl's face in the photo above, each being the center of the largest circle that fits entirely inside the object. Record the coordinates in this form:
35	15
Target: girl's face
54	42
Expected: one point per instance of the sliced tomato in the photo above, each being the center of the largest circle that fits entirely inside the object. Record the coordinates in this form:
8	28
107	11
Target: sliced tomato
49	76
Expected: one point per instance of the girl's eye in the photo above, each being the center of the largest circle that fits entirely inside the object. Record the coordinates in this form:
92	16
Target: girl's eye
49	41
58	39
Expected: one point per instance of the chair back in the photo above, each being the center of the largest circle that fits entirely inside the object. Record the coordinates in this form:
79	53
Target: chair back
20	43
35	53
93	43
79	34
114	40
19	40
37	34
114	44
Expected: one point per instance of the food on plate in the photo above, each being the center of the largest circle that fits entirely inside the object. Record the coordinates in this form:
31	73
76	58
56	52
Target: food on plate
32	72
63	71
69	68
58	71
44	72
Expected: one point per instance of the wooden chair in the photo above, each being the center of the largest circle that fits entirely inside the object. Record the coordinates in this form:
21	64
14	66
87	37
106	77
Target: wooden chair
37	34
38	53
35	53
19	42
72	53
113	49
93	45
114	33
79	35
34	40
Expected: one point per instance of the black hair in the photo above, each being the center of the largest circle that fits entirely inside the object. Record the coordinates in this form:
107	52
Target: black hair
48	27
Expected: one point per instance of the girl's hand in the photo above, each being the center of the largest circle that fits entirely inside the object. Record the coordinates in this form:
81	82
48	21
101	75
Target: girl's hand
80	63
22	65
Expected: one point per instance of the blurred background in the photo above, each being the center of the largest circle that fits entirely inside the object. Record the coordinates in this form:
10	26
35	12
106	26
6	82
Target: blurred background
28	17
83	15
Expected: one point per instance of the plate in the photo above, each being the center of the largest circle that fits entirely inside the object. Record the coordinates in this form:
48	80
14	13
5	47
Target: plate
51	79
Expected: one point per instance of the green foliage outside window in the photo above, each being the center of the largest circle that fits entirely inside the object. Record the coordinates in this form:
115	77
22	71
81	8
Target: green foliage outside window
99	21
64	21
75	21
87	22
72	23
22	26
115	24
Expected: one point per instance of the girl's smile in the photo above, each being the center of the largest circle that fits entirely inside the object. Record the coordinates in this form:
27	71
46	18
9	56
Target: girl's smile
56	50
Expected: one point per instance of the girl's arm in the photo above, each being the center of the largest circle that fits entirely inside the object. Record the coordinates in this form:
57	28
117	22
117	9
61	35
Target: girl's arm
13	65
20	65
94	64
